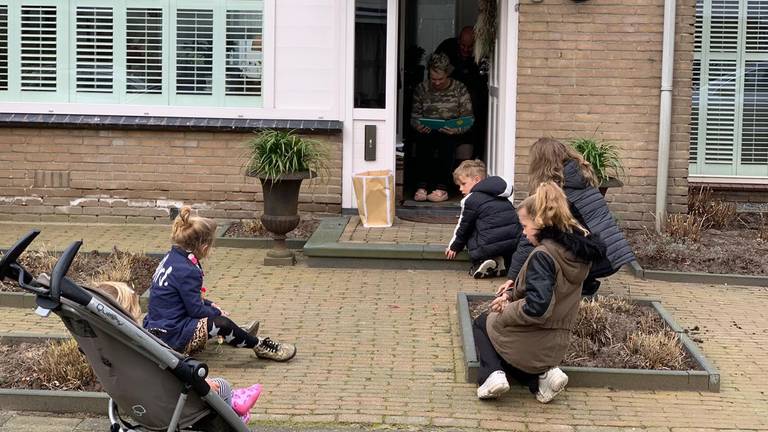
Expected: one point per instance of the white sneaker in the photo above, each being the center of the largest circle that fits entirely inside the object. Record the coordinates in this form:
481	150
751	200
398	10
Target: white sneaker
485	269
551	383
494	386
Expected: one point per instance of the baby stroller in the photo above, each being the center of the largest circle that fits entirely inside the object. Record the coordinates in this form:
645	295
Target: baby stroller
157	387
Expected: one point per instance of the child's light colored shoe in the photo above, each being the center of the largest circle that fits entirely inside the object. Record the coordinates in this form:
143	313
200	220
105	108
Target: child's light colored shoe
485	269
243	399
551	383
494	386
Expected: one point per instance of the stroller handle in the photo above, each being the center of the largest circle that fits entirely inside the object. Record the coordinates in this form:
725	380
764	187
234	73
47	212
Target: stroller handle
12	254
60	284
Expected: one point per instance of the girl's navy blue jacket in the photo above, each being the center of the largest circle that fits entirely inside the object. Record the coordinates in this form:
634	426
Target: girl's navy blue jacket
488	225
175	299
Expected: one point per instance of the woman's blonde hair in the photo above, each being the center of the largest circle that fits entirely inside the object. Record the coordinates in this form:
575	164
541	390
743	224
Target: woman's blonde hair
193	233
123	295
548	207
548	156
440	62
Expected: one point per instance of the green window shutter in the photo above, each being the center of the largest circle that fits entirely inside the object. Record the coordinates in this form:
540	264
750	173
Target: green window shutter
693	154
721	112
3	47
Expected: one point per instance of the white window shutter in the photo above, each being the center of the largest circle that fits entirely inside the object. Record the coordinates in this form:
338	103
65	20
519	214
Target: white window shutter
721	112
144	50
3	47
95	72
757	27
244	53
693	153
194	51
754	132
724	28
38	48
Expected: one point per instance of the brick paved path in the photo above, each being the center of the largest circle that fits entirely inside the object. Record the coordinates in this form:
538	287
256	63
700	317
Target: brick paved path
382	346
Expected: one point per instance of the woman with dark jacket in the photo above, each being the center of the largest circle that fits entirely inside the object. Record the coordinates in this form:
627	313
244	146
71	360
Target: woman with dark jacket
552	160
528	330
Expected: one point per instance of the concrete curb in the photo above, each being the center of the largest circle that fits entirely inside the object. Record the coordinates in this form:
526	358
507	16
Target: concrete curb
323	249
54	401
706	379
698	277
250	243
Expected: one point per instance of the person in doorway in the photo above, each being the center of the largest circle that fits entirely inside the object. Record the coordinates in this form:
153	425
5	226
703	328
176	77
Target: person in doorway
551	160
441	97
179	314
460	51
488	224
527	331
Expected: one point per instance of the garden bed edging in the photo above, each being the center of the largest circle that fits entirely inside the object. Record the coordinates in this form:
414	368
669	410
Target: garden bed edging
250	243
698	277
707	379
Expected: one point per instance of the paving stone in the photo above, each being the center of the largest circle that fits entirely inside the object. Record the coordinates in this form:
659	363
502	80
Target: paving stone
385	345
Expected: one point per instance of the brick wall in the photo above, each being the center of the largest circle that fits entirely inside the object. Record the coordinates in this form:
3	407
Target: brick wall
596	66
89	175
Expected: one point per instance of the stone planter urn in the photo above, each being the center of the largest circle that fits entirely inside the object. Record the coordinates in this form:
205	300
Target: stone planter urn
610	183
281	202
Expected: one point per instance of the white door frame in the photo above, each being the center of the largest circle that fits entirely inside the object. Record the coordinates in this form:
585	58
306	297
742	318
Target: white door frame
503	163
355	119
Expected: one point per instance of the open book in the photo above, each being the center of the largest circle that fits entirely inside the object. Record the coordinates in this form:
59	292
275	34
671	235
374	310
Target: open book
460	122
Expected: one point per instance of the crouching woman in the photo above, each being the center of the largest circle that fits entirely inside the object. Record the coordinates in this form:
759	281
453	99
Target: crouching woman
526	334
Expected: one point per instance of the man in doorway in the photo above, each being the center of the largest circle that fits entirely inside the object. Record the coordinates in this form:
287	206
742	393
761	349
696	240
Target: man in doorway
460	51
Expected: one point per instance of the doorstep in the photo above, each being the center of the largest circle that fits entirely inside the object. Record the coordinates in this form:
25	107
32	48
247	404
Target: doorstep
327	249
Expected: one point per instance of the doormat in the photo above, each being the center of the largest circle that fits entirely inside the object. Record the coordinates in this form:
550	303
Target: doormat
425	216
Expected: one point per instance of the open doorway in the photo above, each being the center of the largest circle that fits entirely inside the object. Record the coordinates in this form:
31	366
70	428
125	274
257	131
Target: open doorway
426	27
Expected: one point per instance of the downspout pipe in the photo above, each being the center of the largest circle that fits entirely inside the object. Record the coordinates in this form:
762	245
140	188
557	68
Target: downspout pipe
665	112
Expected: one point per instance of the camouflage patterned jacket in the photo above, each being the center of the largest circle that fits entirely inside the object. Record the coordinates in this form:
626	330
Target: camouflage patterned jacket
450	103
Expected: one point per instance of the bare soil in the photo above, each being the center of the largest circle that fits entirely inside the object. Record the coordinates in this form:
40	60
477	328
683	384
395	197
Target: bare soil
731	251
21	368
615	333
254	229
134	269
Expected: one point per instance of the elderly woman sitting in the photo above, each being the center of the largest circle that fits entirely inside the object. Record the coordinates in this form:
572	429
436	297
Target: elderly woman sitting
441	97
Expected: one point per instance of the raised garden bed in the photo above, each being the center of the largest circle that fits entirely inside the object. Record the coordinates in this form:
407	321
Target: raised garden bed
252	234
731	257
134	269
696	373
23	389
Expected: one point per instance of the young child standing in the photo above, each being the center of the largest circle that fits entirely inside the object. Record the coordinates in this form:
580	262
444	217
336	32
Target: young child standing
179	314
241	400
528	330
488	224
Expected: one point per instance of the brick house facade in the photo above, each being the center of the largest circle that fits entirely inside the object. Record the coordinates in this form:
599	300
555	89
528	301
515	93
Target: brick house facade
569	69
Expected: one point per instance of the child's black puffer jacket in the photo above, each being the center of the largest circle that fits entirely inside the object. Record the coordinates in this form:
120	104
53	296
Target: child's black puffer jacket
488	225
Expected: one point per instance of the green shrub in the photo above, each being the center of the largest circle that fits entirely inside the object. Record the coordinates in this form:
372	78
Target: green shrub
602	155
275	153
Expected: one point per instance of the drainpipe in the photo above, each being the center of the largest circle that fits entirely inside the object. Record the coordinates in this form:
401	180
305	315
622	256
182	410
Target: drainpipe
665	112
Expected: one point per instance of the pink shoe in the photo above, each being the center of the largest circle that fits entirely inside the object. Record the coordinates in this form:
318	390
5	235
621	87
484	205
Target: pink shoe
243	399
246	418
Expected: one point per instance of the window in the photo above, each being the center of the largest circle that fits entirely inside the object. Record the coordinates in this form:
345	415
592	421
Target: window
729	115
370	53
142	52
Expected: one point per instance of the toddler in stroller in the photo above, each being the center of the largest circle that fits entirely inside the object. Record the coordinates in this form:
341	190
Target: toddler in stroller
157	387
241	400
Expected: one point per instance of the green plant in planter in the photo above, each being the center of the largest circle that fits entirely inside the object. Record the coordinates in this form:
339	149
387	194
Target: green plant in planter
275	153
602	155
